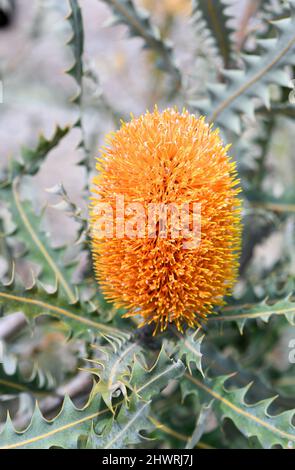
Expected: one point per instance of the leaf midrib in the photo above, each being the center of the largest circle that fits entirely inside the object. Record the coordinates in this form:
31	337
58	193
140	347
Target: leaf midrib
241	316
39	244
251	82
117	362
54	431
130	422
238	410
218	31
154	379
60	311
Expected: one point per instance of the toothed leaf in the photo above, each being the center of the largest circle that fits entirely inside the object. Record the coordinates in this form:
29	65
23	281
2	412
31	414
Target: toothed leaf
38	248
261	311
124	430
113	369
148	382
189	346
76	43
64	431
211	21
140	25
36	301
13	381
250	419
232	100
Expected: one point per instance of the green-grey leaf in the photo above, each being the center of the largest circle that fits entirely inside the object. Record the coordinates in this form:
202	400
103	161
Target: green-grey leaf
33	158
76	43
250	419
124	430
113	369
210	19
64	431
36	301
229	101
38	247
261	311
13	382
148	382
189	346
200	427
140	25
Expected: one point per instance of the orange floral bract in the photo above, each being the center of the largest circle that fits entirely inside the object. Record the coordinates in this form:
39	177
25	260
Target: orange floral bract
168	157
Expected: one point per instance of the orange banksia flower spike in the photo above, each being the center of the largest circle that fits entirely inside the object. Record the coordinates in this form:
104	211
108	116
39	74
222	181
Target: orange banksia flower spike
161	270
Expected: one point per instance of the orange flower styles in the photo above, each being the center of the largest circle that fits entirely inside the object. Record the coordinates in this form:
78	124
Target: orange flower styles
166	159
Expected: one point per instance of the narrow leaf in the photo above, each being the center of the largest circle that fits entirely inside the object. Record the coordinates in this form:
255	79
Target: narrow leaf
140	25
148	382
261	311
36	301
210	17
251	420
124	430
229	101
64	431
